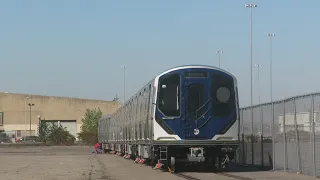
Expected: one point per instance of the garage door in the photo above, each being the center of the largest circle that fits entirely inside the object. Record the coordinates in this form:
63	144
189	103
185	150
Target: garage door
70	126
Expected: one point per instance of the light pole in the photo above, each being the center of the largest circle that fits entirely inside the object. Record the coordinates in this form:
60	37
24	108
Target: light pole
218	53
25	116
124	83
251	6
30	104
270	35
261	113
258	66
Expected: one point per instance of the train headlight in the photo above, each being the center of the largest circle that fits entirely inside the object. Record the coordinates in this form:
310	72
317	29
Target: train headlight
223	94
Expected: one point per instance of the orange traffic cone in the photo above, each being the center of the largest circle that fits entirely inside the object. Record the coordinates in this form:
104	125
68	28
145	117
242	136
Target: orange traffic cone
141	161
158	165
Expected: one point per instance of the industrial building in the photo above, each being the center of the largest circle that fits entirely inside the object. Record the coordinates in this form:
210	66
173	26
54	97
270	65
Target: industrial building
21	112
303	120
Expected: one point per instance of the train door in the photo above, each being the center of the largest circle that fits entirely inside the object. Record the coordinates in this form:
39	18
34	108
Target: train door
197	106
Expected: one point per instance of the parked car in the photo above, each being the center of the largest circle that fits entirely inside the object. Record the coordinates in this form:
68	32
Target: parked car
27	139
4	138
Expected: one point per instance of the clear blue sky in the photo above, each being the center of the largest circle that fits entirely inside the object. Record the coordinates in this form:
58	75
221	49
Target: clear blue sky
76	48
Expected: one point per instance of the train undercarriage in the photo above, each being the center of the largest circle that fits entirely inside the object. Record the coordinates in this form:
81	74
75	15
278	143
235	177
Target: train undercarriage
178	157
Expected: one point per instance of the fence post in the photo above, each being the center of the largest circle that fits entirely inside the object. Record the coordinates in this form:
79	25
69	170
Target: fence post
313	138
243	141
296	132
284	136
273	137
252	144
261	142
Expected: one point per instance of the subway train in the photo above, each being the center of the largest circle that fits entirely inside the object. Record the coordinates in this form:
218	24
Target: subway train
186	115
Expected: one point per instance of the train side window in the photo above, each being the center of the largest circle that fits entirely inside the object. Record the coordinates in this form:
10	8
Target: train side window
169	95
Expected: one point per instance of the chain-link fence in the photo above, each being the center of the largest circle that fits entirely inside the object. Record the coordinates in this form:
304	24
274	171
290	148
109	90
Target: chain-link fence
283	135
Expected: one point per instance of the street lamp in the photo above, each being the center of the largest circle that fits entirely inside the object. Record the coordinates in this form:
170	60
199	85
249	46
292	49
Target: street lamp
251	6
218	53
25	116
261	115
30	104
124	83
270	35
258	66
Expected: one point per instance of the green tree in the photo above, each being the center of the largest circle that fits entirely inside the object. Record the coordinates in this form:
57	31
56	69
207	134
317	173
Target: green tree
91	119
44	131
60	136
55	134
90	124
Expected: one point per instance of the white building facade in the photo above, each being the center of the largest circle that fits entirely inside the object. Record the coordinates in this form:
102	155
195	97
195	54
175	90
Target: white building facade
303	119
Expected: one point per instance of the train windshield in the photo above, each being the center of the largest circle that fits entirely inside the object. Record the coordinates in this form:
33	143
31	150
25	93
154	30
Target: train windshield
169	95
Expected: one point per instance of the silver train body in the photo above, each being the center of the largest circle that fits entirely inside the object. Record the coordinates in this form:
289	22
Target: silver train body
187	114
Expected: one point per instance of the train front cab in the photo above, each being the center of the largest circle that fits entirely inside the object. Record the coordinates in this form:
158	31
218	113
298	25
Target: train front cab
194	107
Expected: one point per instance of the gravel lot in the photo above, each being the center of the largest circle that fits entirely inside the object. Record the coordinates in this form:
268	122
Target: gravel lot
77	163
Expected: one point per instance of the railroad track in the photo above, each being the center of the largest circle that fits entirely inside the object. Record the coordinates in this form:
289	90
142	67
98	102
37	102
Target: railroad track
189	177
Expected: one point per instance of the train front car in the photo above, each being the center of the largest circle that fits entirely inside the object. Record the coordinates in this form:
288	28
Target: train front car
196	116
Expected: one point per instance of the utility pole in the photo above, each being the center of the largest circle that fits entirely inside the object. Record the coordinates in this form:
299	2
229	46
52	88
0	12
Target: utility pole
251	6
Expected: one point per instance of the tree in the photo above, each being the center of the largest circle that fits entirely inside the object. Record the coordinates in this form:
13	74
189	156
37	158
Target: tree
90	124
55	134
60	136
91	120
44	131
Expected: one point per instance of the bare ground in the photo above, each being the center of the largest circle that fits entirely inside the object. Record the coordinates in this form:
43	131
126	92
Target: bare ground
77	163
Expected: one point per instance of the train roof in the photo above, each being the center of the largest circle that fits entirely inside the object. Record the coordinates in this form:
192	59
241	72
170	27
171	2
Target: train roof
195	66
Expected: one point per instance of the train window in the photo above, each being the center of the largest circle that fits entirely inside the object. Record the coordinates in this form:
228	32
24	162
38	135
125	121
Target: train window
169	95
